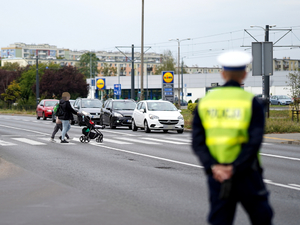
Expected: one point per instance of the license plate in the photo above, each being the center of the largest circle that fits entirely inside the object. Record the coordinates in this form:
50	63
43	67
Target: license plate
128	121
168	126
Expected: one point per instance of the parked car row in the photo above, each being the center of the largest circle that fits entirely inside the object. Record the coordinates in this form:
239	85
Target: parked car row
147	115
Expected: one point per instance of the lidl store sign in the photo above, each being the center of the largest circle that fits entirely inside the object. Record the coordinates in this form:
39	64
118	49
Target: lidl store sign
168	77
100	84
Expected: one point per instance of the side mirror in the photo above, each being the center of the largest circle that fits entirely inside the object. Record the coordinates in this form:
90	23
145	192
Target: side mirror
142	110
179	110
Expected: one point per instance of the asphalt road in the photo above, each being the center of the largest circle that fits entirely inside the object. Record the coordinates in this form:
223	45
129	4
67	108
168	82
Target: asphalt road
131	178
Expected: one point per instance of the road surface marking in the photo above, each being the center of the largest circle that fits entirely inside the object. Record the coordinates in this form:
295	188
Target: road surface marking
4	143
28	141
280	156
281	185
296	185
16	128
151	156
138	141
166	141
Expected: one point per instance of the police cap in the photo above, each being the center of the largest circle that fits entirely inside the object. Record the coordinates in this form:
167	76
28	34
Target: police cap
234	60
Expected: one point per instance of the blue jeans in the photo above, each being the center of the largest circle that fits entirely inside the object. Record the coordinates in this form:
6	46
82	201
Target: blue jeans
66	127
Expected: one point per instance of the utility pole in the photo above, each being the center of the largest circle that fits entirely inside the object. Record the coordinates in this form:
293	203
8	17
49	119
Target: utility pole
266	79
37	88
142	55
132	72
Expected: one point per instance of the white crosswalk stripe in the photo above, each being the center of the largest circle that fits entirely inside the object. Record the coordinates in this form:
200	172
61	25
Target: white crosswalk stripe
29	141
139	141
4	143
165	141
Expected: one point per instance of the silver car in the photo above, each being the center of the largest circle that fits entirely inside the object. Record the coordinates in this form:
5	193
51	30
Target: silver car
91	106
280	100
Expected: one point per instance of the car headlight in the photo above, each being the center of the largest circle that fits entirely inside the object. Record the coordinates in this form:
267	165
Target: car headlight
153	117
180	117
49	110
117	114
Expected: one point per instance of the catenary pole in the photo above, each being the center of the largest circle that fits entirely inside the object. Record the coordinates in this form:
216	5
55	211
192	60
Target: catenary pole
142	55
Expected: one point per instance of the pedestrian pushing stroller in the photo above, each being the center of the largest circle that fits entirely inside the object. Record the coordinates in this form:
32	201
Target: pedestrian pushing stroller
90	131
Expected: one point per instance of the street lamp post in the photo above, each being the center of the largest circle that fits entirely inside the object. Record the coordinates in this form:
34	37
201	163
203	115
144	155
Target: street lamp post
37	88
178	64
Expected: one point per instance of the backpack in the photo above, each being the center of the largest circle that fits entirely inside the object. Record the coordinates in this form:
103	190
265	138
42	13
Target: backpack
55	108
59	111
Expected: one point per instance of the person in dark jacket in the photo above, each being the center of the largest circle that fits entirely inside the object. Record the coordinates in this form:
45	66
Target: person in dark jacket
66	115
228	130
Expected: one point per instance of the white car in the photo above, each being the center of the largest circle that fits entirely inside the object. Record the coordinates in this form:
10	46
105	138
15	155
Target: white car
157	115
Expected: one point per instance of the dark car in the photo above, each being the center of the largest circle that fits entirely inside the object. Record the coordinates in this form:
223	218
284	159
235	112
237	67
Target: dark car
54	116
90	106
45	108
117	112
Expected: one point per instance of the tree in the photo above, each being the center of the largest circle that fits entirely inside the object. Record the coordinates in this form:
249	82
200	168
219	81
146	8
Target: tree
67	79
88	60
108	71
168	63
11	66
6	77
12	93
294	88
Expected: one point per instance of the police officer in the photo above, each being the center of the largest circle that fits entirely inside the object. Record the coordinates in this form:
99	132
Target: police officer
228	129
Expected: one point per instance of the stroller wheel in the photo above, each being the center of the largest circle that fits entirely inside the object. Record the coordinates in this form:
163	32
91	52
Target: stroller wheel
87	139
81	139
100	139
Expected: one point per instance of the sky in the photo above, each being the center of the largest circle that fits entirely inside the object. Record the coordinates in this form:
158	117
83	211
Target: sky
98	25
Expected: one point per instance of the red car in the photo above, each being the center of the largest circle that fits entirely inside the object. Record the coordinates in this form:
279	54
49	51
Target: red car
45	107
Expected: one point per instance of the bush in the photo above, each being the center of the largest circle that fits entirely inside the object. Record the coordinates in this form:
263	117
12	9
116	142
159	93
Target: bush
191	107
197	100
190	101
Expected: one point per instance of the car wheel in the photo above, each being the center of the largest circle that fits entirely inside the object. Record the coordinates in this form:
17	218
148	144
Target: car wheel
180	131
133	126
146	127
165	131
44	117
278	103
37	117
111	125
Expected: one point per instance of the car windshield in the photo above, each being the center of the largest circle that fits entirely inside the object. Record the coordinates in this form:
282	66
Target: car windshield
126	105
91	103
161	106
50	103
283	97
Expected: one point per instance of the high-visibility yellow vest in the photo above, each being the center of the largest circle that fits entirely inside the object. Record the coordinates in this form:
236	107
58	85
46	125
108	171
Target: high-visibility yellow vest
226	114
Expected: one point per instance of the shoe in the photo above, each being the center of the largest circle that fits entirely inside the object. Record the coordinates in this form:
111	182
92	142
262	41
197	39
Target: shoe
64	141
68	138
52	140
60	137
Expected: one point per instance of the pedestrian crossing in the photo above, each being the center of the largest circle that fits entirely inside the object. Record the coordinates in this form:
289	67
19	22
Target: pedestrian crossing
119	140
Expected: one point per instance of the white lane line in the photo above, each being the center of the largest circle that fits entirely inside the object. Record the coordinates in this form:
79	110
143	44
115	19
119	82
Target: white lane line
151	156
296	185
16	128
28	141
116	141
281	185
177	139
4	143
280	156
138	141
166	141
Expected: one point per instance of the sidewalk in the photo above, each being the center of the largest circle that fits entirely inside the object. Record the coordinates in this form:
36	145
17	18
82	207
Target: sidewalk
286	138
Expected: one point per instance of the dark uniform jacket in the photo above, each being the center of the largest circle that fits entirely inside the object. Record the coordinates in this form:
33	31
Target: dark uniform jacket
67	110
248	156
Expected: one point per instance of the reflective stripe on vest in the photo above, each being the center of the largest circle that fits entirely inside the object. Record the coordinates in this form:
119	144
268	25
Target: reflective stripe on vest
226	114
